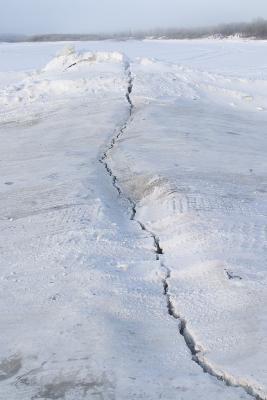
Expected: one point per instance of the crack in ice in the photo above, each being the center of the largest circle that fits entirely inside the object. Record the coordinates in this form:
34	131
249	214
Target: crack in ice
195	349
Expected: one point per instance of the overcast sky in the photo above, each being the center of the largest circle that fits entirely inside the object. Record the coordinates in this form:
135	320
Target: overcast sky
86	16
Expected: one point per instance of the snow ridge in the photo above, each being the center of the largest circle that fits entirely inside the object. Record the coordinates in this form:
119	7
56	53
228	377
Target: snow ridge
195	349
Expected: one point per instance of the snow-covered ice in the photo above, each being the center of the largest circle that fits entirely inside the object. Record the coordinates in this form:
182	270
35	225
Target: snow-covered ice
133	220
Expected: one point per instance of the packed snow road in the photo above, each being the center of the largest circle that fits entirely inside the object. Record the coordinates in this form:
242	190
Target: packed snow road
133	224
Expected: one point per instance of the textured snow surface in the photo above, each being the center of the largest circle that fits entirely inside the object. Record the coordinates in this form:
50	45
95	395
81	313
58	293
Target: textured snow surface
97	143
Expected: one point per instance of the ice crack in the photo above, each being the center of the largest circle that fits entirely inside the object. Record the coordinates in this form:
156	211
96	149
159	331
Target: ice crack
195	349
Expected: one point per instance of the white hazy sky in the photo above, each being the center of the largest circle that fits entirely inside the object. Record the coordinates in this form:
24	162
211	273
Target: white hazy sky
82	16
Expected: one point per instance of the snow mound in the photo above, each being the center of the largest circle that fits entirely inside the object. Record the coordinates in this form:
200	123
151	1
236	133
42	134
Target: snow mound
67	76
68	58
146	61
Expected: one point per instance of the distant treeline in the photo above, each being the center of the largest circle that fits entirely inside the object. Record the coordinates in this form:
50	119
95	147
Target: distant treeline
256	29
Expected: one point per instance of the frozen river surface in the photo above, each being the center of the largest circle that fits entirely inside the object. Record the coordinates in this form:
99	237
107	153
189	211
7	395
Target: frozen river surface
133	220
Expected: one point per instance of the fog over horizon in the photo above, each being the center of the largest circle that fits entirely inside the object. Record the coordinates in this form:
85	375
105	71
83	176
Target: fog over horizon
106	16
